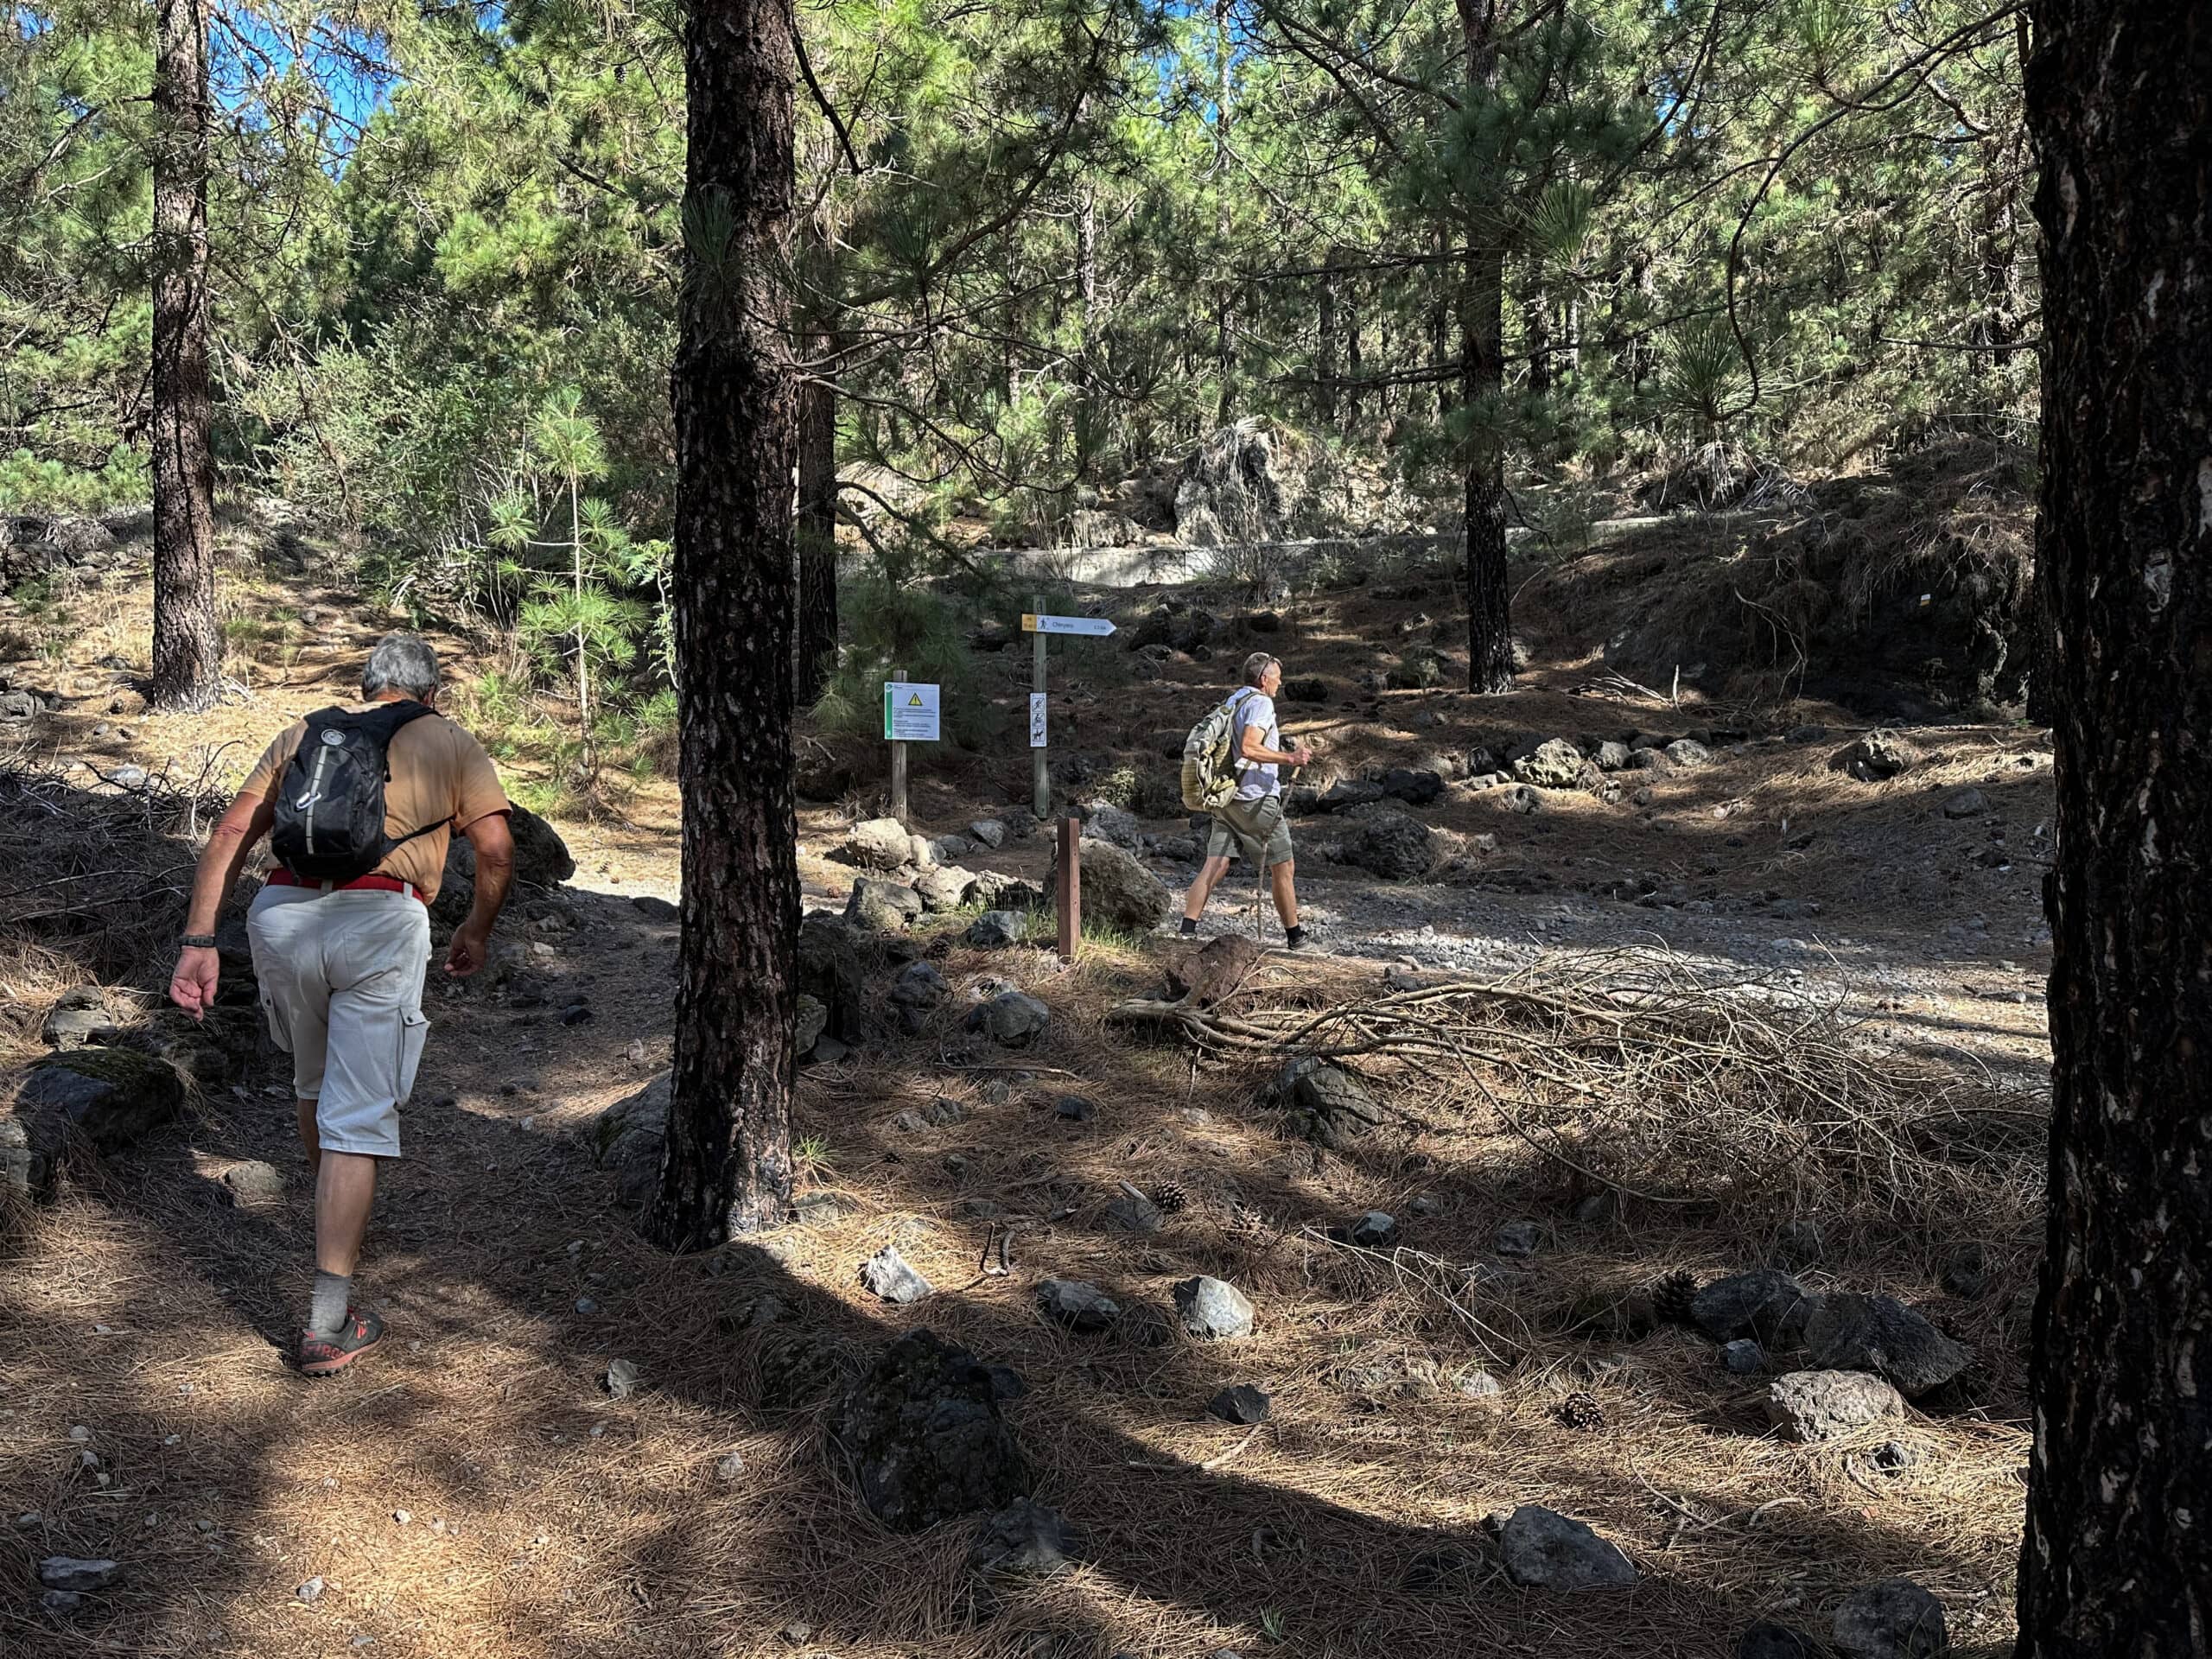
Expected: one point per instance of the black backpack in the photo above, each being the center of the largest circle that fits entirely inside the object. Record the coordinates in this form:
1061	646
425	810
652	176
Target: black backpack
330	805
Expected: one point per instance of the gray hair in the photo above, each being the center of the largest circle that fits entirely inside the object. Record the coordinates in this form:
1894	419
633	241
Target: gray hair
1257	666
404	663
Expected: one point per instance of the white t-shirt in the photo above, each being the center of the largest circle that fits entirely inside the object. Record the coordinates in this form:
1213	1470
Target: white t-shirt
1255	782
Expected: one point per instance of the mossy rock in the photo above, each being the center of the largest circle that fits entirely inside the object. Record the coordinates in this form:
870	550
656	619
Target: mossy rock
105	1099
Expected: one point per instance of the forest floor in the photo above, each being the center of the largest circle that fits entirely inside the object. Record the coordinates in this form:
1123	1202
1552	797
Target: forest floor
474	1490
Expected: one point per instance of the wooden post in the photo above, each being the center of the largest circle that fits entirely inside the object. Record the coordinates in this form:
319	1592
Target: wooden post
899	763
1040	773
1068	895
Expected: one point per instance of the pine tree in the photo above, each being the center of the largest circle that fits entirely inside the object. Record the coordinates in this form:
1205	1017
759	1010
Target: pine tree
727	1168
2118	1548
188	639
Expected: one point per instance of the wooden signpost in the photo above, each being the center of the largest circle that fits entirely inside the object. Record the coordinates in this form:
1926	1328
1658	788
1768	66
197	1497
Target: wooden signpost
1041	626
909	715
1068	886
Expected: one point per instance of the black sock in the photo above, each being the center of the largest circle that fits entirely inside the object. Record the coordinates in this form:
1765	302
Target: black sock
327	1313
1190	926
1294	935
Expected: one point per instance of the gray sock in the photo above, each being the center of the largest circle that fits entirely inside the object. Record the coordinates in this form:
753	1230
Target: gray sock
327	1312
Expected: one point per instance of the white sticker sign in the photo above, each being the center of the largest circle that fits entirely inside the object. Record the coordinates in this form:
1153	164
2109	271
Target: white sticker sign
910	711
1095	627
1037	703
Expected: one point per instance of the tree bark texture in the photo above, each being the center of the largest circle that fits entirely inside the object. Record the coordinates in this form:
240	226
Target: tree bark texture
726	1168
816	528
1481	376
2118	1556
188	636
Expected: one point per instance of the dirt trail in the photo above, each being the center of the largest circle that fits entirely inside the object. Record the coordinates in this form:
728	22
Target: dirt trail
542	1517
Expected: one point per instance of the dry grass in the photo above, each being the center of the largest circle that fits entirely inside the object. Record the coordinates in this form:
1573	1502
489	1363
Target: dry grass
485	1414
1734	1114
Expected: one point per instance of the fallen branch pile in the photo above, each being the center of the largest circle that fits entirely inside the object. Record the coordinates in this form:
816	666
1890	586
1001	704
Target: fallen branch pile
1631	1069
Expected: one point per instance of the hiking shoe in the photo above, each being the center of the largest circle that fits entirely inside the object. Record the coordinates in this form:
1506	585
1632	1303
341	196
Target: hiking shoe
321	1356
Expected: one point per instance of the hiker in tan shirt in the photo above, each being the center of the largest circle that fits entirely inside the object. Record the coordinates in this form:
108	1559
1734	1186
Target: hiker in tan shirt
340	959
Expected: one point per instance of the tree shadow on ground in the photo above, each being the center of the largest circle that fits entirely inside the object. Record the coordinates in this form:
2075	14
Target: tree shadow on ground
1350	1523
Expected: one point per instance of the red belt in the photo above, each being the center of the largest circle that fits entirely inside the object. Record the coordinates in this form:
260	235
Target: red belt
281	877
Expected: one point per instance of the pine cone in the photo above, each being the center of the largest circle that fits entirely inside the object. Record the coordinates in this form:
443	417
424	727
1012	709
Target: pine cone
1581	1410
1672	1297
1170	1198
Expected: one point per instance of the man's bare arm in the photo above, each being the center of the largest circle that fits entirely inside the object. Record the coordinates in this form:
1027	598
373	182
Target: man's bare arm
1259	753
495	871
191	988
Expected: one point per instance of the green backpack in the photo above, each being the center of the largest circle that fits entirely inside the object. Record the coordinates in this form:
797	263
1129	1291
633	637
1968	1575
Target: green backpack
1209	771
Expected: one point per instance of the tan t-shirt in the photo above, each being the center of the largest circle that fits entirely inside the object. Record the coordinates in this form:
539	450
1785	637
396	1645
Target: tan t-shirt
440	774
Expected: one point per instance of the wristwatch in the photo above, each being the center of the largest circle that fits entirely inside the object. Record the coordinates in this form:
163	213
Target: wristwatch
198	941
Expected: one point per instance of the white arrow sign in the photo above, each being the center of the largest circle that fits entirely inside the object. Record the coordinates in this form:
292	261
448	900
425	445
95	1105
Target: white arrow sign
1096	627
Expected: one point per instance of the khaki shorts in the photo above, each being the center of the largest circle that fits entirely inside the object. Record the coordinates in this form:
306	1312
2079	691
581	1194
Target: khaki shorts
1254	829
342	983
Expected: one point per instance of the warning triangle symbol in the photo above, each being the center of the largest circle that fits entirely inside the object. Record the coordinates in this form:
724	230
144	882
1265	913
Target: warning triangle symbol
914	702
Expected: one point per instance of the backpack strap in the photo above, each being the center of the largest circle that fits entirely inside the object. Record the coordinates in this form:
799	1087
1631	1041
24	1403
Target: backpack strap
386	719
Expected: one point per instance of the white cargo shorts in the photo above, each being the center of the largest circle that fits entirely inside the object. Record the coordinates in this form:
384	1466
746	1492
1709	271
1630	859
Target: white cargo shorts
341	984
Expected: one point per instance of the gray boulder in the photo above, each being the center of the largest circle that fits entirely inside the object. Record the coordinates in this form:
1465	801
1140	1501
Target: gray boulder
890	1275
1119	891
1242	1404
1325	1103
1517	1238
626	1138
1011	1019
1967	804
255	1180
995	929
1689	753
1557	764
101	1099
1893	1618
80	1015
1375	1229
1765	1303
1212	1310
1546	1550
813	1020
77	1572
919	986
1875	757
882	844
1743	1358
944	887
1612	755
1077	1305
988	832
1103	820
1850	1333
1416	786
829	971
921	1436
1387	842
1134	1213
1814	1406
882	906
995	891
1027	1540
1348	792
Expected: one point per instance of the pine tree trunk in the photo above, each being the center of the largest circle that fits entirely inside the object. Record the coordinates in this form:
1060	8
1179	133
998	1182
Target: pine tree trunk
2118	1557
817	529
1326	350
1536	329
1087	423
1225	322
817	532
1482	375
726	1165
188	638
